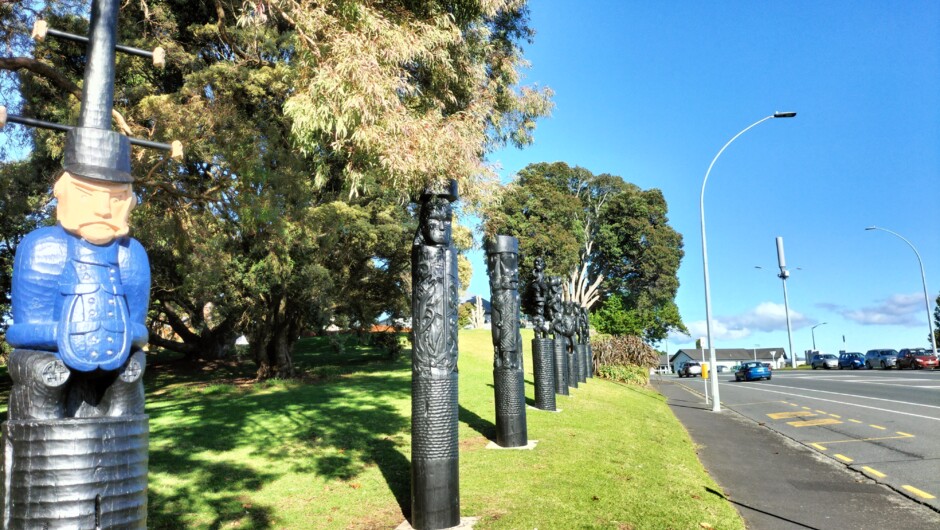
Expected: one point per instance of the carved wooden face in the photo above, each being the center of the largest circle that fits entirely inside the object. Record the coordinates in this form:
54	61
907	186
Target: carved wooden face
437	222
94	210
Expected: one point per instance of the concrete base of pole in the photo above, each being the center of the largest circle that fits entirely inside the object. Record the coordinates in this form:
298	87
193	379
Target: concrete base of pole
465	523
527	447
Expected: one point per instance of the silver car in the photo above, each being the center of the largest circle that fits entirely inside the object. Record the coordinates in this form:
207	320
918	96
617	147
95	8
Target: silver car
825	360
884	359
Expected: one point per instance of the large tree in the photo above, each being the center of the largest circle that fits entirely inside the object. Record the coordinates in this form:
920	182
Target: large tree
639	255
592	228
308	126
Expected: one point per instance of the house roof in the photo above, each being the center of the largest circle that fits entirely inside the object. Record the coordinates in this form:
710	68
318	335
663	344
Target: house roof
473	300
736	354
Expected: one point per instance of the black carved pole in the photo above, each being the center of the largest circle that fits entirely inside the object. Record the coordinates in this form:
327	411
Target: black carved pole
502	260
435	484
543	348
580	349
565	328
586	344
554	312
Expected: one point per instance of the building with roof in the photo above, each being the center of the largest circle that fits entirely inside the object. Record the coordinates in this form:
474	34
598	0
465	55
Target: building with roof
728	357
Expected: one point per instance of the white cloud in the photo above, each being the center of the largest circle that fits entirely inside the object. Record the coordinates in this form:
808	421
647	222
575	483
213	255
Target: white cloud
766	316
896	310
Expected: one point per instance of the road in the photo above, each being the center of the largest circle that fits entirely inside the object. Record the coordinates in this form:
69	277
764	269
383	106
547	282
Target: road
883	423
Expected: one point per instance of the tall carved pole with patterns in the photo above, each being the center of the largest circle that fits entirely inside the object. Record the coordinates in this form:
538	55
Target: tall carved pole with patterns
502	263
435	484
554	312
543	347
75	440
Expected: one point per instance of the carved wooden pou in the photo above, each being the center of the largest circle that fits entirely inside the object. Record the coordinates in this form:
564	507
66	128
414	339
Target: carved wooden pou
502	263
435	485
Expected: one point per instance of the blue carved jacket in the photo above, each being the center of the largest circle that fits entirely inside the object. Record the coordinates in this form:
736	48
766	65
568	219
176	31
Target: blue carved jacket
85	302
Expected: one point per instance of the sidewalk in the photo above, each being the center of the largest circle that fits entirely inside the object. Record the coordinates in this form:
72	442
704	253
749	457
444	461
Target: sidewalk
776	483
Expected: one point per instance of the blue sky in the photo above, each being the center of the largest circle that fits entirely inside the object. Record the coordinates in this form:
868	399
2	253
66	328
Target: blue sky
651	91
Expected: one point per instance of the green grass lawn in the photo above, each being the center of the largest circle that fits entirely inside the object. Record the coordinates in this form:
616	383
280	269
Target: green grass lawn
332	450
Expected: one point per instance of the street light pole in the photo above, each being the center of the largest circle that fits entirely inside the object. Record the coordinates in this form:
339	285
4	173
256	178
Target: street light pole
813	332
923	278
716	403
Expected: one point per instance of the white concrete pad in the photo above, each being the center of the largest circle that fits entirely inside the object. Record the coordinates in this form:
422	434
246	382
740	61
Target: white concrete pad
527	447
465	523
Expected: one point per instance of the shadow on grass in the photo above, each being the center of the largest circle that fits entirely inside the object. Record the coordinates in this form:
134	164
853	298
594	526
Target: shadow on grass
215	444
475	422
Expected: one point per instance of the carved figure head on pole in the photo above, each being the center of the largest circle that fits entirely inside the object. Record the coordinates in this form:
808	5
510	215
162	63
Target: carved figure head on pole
96	211
435	217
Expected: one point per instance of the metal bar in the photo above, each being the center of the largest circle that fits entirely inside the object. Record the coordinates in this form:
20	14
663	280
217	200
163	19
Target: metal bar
22	120
82	39
42	124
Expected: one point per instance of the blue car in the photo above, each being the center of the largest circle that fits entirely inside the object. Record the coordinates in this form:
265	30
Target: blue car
852	361
752	371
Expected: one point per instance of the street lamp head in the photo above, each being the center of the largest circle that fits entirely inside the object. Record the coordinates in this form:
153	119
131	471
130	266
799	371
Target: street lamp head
784	114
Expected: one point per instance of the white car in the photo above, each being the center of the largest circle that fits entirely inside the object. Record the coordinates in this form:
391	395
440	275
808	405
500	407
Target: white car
690	369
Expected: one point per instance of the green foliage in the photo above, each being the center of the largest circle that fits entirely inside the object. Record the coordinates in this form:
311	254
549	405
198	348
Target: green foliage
307	128
544	216
653	324
572	218
639	255
631	375
464	314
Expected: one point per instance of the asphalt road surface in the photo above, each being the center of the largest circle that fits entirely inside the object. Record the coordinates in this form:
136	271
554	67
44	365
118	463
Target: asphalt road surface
883	423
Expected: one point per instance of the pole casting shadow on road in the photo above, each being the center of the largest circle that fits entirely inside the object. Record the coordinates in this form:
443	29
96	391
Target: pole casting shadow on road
775	516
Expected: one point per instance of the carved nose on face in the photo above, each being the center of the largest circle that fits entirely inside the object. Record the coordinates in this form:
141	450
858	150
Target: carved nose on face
101	204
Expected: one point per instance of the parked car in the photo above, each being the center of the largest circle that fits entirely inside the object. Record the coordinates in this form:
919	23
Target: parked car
884	359
915	358
853	360
690	369
752	371
824	360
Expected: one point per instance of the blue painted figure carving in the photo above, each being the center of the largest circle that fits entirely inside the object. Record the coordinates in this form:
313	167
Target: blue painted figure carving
81	290
81	287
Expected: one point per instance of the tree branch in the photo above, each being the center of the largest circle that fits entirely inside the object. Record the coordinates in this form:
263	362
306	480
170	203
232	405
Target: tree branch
58	80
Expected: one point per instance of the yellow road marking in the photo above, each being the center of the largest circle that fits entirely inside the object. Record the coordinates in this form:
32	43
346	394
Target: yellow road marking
821	411
794	404
795	414
855	421
813	423
807	408
817	446
835	416
905	434
830	442
843	458
920	493
878	427
875	472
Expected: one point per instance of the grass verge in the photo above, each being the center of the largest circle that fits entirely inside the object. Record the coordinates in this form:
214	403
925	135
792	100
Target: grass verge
332	450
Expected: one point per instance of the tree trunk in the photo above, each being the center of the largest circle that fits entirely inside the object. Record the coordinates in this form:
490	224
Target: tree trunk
272	342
